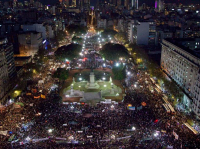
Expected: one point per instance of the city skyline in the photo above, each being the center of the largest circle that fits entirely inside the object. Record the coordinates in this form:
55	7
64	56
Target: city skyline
140	2
121	74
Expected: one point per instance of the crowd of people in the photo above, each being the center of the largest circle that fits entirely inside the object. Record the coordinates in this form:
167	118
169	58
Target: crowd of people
139	121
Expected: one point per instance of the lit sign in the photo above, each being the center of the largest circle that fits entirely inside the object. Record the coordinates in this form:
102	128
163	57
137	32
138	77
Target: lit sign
44	42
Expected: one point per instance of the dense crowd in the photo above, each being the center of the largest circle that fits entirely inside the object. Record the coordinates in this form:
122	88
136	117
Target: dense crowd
139	121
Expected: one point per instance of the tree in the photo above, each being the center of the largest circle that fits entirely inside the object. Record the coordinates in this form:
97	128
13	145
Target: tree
77	30
121	37
108	32
119	72
69	52
61	74
77	39
113	52
60	35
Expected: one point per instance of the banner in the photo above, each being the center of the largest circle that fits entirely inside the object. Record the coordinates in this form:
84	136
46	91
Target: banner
43	96
36	97
131	108
176	136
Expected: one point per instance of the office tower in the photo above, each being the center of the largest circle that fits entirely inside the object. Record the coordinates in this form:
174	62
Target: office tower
134	3
126	2
66	3
119	2
156	4
181	63
74	3
114	2
14	3
31	2
161	5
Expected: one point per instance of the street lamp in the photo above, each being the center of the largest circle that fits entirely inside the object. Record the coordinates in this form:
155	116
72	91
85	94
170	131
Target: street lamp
133	128
155	134
28	138
50	130
80	79
128	73
117	64
105	85
104	78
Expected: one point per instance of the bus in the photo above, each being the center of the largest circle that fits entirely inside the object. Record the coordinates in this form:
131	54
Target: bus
157	89
191	128
171	109
166	108
153	81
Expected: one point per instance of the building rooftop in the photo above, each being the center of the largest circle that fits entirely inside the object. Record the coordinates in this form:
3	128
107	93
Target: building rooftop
179	43
22	58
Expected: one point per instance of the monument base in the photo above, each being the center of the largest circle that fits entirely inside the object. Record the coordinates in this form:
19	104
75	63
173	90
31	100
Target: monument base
92	86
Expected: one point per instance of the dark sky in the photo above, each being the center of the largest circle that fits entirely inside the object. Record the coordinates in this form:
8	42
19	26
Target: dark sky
148	2
151	2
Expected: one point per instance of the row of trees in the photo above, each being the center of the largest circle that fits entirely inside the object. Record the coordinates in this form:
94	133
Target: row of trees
113	52
77	40
77	30
119	72
69	52
61	74
155	71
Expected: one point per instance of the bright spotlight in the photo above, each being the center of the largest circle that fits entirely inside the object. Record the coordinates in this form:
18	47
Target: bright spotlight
155	134
50	130
133	128
28	138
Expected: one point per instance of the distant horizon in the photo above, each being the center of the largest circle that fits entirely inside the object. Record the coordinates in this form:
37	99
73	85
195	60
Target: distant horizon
93	2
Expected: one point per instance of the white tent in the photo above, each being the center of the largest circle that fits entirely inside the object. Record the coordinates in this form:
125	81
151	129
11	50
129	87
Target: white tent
3	133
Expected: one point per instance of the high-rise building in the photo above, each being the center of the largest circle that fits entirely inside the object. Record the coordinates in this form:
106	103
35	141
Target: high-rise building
180	60
66	3
14	3
119	2
7	50
126	2
156	4
3	71
74	3
31	2
159	5
142	32
134	3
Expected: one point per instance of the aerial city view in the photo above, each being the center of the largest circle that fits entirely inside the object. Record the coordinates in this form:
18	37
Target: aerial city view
99	74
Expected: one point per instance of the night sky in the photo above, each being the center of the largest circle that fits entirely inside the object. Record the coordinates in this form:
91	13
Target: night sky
148	2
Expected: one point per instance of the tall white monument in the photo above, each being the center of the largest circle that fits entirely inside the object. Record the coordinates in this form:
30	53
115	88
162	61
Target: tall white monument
92	84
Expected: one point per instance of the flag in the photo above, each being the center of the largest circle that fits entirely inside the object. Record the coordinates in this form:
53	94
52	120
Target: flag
43	96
